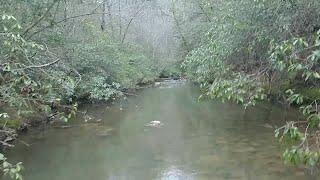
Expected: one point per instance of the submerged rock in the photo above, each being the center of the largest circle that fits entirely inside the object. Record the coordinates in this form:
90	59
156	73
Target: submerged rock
63	127
169	83
157	84
87	118
268	126
155	124
105	132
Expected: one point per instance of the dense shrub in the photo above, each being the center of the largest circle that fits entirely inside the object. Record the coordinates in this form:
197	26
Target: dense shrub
251	49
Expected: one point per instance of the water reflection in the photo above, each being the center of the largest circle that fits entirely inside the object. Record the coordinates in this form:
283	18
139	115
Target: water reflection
199	140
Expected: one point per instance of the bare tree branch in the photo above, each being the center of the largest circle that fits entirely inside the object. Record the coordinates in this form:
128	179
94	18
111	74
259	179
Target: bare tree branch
64	20
39	19
130	21
39	66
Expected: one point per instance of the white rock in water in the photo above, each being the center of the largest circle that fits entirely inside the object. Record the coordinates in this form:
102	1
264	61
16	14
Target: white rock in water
154	124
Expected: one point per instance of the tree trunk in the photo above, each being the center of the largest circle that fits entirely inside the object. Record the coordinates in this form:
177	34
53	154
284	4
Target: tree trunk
110	17
120	23
179	29
103	16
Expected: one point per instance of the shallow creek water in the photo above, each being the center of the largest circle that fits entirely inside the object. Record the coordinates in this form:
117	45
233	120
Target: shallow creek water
198	140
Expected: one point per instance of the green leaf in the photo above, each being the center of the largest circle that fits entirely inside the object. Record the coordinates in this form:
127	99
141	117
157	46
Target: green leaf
316	75
2	157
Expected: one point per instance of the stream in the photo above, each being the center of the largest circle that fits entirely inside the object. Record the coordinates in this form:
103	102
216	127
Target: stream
197	141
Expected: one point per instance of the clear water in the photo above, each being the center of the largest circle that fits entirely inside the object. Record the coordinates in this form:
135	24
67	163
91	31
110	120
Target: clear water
199	140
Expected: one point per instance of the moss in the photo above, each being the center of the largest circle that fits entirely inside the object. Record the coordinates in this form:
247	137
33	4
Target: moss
279	87
11	123
310	93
